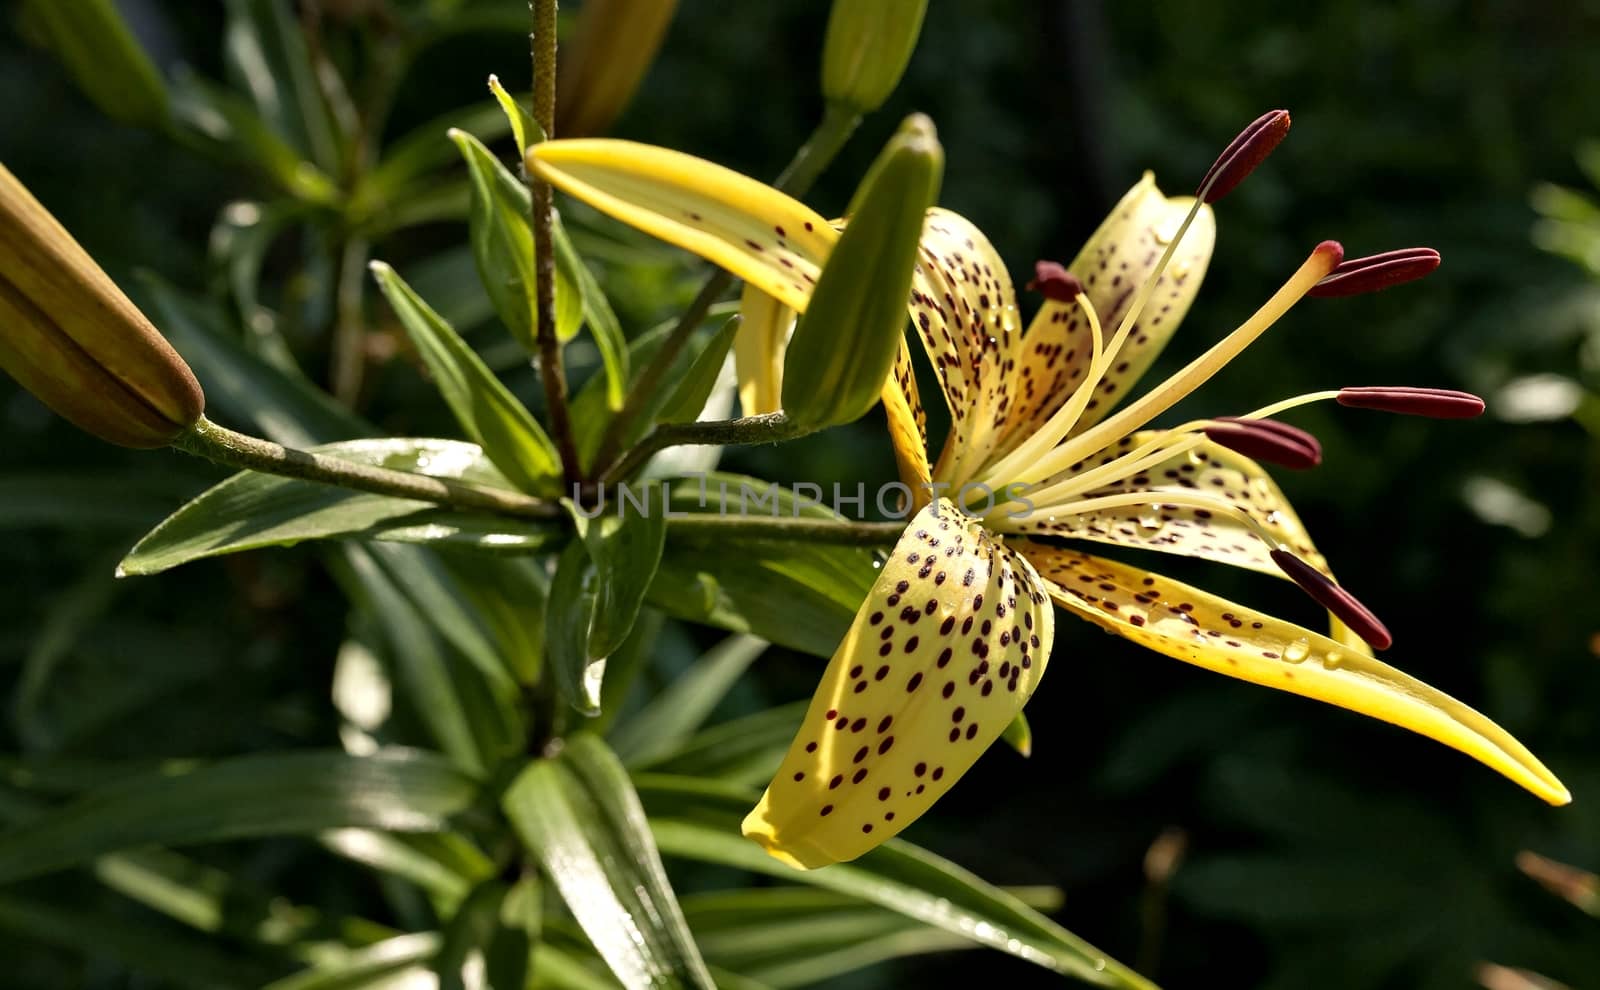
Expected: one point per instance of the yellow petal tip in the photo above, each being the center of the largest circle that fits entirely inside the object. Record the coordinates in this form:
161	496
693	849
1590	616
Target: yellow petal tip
759	830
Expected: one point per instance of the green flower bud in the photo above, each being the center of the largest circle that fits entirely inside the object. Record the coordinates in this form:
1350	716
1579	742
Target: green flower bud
868	46
69	335
844	347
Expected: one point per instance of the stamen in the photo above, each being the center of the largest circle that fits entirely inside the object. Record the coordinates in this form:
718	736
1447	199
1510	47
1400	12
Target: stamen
1155	500
1054	282
1377	271
1267	440
1028	463
1240	158
1436	403
1335	599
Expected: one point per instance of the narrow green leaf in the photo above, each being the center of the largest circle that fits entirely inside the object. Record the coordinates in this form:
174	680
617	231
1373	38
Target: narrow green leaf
526	130
745	750
578	814
174	959
590	406
674	714
422	662
797	594
300	793
102	56
791	937
267	57
578	675
700	820
445	865
488	412
233	125
1019	735
252	510
695	387
408	160
467	936
624	541
277	403
502	243
597	313
389	965
85	500
520	924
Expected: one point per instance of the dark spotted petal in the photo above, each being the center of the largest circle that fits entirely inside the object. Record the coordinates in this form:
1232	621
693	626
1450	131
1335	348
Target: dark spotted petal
965	311
1112	266
941	657
770	240
1190	625
1209	469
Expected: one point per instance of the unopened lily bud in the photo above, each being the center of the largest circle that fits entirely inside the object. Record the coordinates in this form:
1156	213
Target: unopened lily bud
844	347
69	335
614	46
868	46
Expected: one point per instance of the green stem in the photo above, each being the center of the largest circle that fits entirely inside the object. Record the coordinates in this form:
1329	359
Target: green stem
349	362
796	179
551	371
838	532
224	446
766	428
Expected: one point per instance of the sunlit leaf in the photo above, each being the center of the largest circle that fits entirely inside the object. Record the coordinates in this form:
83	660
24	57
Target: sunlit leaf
488	412
579	815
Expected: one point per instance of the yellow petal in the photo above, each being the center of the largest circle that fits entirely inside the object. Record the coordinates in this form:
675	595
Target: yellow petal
1113	265
758	350
965	311
771	240
908	427
1191	625
942	655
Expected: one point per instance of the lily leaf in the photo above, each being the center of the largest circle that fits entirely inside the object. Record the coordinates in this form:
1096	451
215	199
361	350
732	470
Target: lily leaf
674	714
696	386
488	412
390	963
300	793
577	672
523	127
700	820
624	541
252	510
579	815
502	243
801	595
745	750
103	57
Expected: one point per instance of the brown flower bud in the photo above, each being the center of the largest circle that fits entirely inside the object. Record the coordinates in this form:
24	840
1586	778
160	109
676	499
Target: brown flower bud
70	336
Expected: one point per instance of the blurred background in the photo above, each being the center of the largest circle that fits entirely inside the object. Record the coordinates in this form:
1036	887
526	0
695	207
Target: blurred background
1200	828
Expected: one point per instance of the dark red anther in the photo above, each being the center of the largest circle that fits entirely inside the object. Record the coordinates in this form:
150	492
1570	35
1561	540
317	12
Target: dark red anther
1267	440
1435	403
1335	599
1054	282
1240	158
1377	271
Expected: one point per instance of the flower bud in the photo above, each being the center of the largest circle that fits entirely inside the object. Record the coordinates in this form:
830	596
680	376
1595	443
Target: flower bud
614	46
69	335
868	46
843	348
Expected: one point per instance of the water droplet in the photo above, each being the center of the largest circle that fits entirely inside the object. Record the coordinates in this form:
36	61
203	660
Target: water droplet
1274	518
1333	660
1150	522
1195	457
1297	651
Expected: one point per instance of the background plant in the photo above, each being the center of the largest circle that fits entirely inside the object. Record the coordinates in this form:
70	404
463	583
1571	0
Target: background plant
1302	865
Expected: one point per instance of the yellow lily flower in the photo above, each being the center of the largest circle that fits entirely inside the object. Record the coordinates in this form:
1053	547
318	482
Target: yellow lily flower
958	628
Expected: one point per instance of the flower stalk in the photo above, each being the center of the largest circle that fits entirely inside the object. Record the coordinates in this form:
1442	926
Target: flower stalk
552	373
238	450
